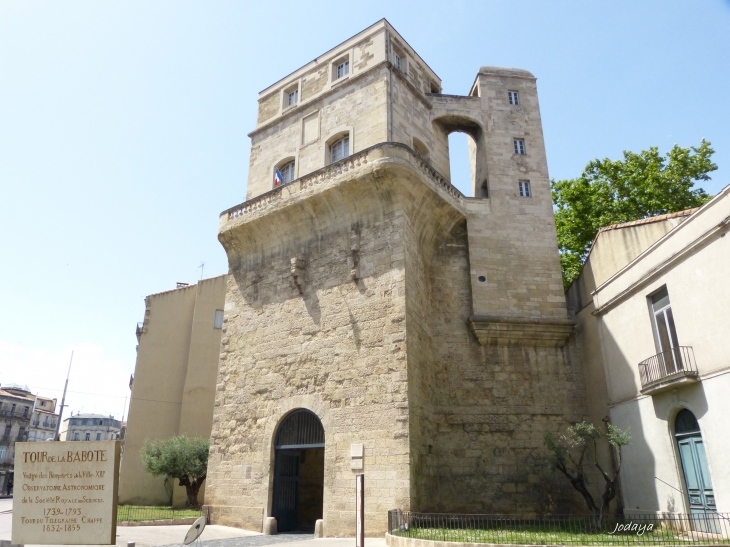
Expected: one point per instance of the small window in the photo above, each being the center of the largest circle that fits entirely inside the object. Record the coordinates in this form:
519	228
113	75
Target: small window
101	423
43	403
3	450
514	98
525	191
398	61
340	149
343	69
76	436
98	436
218	322
292	97
88	436
520	147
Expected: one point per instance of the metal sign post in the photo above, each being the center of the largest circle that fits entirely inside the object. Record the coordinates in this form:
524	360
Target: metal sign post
360	510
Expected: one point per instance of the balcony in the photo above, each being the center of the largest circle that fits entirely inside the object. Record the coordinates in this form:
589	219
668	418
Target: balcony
668	369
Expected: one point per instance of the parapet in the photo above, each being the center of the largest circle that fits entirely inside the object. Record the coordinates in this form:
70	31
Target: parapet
506	71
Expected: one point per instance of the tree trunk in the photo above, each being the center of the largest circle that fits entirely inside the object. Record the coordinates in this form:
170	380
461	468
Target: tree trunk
192	488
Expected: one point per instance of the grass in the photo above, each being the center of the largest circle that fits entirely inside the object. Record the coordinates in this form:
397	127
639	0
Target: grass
135	513
536	534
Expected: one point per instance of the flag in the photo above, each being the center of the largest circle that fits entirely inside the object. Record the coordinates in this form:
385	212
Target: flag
277	178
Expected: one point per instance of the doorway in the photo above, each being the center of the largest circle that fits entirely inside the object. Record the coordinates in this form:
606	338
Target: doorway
298	495
696	472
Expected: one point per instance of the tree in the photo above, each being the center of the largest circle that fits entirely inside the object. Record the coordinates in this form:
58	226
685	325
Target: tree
611	192
183	458
568	453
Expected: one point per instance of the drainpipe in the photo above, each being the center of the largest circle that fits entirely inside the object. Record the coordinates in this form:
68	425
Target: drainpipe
390	86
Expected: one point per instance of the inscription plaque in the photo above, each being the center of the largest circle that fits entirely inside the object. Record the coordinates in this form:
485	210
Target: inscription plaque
66	493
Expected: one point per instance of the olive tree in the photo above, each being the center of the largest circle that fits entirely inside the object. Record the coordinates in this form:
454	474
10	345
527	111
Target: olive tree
569	452
182	458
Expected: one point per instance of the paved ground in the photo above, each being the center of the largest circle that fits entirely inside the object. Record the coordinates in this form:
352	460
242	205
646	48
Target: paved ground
213	535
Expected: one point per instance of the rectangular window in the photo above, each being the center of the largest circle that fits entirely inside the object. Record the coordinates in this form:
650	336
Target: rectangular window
98	436
88	436
525	191
3	451
520	147
514	98
25	411
340	149
398	61
218	321
76	436
292	97
343	69
666	333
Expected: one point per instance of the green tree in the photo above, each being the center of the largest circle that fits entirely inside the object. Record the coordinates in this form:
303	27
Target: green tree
611	192
183	458
569	451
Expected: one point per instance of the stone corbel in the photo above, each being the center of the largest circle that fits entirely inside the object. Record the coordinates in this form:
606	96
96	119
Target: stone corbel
297	272
521	331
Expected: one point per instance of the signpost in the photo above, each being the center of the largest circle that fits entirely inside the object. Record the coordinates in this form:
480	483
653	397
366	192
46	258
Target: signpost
66	493
360	510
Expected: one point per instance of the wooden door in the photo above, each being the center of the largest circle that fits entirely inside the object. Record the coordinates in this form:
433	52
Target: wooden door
286	490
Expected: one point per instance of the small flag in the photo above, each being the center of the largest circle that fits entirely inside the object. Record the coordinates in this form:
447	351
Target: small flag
277	178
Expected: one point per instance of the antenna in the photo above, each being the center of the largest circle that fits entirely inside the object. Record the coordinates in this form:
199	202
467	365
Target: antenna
202	269
63	399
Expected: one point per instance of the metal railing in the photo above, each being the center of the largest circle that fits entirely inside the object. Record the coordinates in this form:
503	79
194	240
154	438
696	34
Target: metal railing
665	529
678	361
138	513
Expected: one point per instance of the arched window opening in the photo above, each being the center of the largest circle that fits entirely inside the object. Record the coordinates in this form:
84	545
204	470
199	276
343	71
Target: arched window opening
284	173
298	496
467	166
340	149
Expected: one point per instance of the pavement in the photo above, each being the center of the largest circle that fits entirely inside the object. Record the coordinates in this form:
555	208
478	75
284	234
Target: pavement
213	536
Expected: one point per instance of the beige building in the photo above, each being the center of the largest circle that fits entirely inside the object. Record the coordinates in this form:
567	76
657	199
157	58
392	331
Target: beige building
651	306
44	420
16	408
90	427
174	381
378	321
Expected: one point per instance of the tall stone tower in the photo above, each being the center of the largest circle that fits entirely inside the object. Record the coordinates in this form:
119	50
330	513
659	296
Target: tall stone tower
378	321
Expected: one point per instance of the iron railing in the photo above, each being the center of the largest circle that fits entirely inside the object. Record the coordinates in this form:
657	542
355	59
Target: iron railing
707	528
679	362
139	513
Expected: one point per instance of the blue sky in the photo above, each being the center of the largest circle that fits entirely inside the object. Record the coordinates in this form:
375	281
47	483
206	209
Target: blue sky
123	135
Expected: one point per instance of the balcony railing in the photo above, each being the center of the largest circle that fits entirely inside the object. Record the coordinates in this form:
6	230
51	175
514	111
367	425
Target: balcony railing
668	368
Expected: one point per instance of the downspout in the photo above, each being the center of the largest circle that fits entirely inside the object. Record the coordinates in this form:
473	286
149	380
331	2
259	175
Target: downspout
390	86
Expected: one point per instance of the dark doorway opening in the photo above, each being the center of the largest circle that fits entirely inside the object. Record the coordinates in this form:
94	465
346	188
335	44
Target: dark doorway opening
298	472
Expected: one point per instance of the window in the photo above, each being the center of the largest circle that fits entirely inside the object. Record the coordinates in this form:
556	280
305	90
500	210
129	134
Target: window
287	172
3	451
343	69
76	436
525	191
340	149
218	321
100	422
98	436
514	98
292	97
25	411
43	403
88	436
519	147
398	61
31	436
12	409
665	332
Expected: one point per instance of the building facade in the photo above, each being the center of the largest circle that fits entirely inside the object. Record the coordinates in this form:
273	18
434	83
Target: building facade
378	321
651	306
16	408
90	427
44	420
174	381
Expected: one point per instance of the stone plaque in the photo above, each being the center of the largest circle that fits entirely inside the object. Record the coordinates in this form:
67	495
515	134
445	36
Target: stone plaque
66	493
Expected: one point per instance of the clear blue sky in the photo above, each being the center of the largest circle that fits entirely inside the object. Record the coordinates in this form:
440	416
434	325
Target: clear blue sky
123	135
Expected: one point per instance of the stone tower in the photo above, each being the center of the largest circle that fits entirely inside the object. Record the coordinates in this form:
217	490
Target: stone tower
421	331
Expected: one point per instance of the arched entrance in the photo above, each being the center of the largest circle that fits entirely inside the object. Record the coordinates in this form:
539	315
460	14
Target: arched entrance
298	472
695	469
